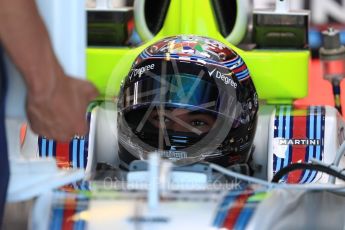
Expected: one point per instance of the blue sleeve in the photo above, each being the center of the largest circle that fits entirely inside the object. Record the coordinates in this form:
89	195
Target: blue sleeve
4	165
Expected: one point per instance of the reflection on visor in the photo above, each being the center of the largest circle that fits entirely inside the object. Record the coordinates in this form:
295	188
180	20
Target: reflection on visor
182	90
181	128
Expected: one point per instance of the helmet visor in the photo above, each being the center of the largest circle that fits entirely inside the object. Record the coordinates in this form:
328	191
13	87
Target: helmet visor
177	90
179	84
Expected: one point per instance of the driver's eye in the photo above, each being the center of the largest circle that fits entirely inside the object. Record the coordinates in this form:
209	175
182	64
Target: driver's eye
198	123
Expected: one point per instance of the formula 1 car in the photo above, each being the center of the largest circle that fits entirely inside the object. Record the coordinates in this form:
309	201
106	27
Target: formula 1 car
197	196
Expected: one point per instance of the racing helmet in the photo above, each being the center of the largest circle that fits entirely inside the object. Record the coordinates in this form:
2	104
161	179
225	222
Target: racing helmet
189	98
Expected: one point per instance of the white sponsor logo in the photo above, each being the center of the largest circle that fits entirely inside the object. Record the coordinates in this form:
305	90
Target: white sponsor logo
280	145
173	155
211	73
224	77
299	142
141	70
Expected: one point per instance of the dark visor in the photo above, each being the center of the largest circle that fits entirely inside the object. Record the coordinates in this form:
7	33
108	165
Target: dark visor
172	84
180	90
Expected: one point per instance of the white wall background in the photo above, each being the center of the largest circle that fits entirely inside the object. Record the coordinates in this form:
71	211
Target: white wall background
66	23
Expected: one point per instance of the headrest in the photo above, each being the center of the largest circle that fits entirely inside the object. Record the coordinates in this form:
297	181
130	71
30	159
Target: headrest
231	16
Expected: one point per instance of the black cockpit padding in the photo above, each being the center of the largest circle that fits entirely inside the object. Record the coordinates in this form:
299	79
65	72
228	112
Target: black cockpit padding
226	13
155	13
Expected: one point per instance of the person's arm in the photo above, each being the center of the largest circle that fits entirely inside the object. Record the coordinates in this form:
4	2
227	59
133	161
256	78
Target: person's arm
56	104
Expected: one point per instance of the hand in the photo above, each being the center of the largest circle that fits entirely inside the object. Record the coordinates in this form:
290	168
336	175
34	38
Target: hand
60	112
